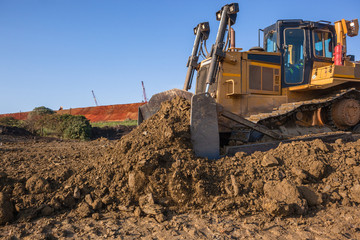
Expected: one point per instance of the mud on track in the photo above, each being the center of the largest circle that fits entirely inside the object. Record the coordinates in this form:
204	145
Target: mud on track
150	184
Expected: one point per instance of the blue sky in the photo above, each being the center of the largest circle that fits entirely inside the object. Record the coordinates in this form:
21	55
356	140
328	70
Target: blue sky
54	52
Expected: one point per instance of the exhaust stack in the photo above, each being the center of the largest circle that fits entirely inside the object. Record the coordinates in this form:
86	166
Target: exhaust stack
232	39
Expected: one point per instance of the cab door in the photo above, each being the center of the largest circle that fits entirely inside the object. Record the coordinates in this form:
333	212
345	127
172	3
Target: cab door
294	42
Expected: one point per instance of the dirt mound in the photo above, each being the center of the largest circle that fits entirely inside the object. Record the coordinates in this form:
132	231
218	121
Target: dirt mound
295	178
14	131
156	162
153	171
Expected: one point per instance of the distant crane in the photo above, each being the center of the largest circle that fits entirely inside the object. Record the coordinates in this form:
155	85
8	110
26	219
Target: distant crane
144	93
94	98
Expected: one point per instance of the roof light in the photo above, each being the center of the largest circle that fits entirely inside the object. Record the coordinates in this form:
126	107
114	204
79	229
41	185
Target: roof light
233	8
218	15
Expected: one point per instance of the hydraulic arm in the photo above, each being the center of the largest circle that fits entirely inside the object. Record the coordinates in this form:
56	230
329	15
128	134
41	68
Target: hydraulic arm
226	16
202	31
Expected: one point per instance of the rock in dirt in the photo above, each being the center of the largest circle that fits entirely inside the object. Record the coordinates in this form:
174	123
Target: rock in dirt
355	193
88	199
47	211
160	217
107	200
6	209
232	187
68	200
317	169
240	155
37	184
301	174
96	216
350	161
77	193
339	141
137	212
235	185
126	209
258	186
83	210
148	205
283	198
312	197
136	181
357	171
276	208
97	204
319	144
269	161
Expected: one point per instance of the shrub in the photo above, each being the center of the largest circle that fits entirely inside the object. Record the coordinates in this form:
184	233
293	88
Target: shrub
75	127
10	122
36	119
44	122
40	111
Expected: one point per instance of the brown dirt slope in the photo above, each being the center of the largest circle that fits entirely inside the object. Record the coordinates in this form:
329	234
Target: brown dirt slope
108	113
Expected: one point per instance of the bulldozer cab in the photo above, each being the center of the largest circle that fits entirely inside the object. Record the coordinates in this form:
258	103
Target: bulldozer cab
303	45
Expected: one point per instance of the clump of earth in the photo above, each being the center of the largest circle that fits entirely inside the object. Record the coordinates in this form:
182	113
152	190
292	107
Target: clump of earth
153	172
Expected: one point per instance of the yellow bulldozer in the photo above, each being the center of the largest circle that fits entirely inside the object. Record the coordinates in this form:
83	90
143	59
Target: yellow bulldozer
302	81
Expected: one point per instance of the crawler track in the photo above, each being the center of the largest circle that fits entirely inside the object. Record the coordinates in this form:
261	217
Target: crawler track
286	111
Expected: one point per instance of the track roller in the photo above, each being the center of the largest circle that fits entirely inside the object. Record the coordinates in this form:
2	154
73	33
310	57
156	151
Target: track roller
345	113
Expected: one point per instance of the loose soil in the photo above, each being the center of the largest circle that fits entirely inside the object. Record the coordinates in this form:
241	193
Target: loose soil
149	184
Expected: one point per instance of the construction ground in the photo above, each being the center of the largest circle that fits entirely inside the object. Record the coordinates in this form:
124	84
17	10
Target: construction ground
150	185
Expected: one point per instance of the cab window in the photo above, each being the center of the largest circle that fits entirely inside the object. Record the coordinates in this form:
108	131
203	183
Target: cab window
323	44
271	41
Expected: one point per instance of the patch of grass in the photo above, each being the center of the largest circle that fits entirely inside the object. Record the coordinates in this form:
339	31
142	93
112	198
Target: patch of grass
114	124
